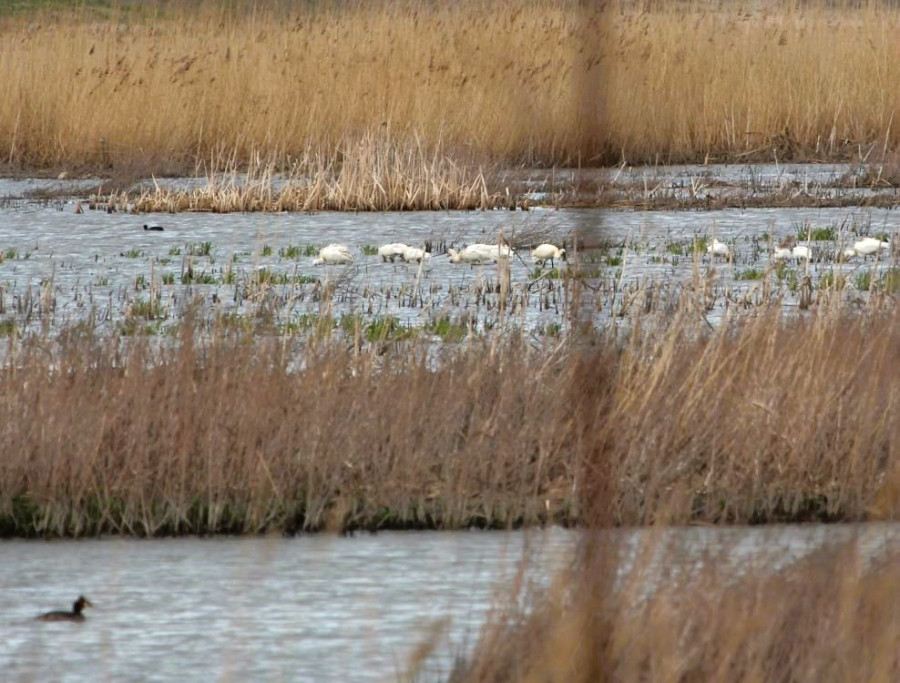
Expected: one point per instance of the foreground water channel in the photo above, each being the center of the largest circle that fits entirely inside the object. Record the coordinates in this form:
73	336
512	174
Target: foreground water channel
320	608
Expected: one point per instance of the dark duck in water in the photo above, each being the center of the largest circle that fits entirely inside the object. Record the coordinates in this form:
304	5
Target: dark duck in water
74	615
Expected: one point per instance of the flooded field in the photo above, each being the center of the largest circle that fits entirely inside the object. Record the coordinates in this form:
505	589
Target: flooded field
317	608
60	267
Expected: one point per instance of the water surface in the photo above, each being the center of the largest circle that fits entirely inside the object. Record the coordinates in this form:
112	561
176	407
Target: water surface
321	608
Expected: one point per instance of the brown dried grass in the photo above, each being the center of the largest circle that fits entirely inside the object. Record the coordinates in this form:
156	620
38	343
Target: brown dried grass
828	617
533	82
764	421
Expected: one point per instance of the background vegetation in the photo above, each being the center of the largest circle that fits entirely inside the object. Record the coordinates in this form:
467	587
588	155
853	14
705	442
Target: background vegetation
533	82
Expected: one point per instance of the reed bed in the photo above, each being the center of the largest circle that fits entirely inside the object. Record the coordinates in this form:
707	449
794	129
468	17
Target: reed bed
762	421
532	82
828	617
368	174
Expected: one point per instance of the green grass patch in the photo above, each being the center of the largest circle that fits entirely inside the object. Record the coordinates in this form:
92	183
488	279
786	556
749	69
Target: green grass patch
749	274
827	234
551	274
200	249
831	281
864	280
890	282
8	327
550	330
448	330
291	251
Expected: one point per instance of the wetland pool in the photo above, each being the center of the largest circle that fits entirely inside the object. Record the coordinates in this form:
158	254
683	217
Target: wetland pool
322	607
58	267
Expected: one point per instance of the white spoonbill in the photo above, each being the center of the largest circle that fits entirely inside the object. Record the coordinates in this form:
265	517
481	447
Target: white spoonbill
544	252
415	254
388	252
467	256
783	252
479	253
869	245
800	252
333	253
717	248
488	252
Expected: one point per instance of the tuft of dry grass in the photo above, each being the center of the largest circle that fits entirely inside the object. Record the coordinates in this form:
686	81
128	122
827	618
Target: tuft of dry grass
367	174
530	82
763	421
828	617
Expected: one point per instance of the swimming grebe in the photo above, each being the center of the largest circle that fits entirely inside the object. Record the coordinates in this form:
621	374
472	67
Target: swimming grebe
155	228
74	615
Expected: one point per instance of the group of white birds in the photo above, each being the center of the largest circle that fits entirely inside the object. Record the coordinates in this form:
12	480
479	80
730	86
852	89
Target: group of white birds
474	254
790	250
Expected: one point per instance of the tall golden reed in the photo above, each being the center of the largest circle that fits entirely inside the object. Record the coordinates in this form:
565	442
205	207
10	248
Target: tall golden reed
529	81
764	421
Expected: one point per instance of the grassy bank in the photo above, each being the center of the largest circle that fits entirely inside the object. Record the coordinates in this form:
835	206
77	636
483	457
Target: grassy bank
165	89
766	421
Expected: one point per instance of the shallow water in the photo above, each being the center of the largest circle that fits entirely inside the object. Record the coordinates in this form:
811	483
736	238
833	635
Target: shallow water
60	267
318	608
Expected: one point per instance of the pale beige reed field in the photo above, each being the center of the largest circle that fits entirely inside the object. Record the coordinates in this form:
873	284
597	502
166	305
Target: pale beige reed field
763	421
519	82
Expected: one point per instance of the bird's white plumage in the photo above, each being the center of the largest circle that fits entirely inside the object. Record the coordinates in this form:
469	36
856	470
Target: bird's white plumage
717	248
546	252
333	253
414	254
869	245
388	252
479	253
782	254
801	252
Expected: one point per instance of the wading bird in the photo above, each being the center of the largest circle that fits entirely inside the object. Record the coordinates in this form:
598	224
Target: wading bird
800	252
388	252
783	251
479	253
868	246
414	254
717	248
333	253
547	252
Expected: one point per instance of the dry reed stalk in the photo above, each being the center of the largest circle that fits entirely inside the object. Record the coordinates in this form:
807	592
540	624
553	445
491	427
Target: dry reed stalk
763	421
538	82
829	617
368	174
